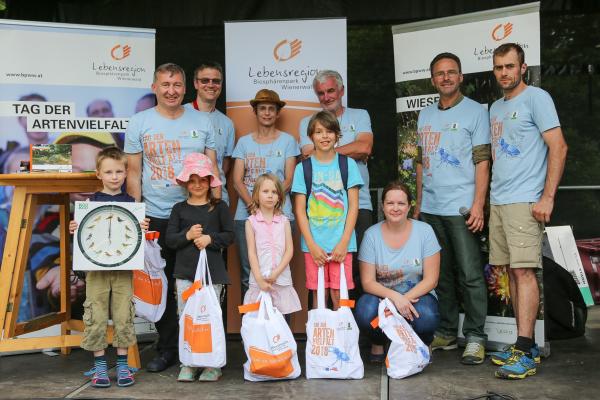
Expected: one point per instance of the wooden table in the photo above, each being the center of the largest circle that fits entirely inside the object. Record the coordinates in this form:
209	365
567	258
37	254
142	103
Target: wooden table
32	190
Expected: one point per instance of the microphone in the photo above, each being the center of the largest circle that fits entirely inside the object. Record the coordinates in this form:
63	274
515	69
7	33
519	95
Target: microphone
482	236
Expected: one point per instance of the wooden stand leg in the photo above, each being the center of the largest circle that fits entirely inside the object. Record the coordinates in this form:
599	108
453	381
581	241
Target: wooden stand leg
65	268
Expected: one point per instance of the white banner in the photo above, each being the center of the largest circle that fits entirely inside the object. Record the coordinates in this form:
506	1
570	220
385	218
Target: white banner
71	84
283	56
472	37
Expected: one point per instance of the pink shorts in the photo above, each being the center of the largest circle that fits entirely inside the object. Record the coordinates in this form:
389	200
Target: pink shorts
332	272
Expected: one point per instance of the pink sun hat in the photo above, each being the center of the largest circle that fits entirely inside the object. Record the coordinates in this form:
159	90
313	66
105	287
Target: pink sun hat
197	164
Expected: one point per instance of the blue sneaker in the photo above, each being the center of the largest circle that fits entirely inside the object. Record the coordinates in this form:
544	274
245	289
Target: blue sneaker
518	366
500	357
99	377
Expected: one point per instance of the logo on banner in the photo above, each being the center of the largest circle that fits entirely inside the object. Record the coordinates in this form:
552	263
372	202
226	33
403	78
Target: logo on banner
286	50
502	31
120	52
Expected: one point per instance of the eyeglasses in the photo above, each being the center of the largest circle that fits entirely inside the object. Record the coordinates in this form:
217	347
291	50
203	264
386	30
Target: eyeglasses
206	81
441	74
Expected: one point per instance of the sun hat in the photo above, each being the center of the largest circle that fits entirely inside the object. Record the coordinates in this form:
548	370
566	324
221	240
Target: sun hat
267	96
197	164
101	139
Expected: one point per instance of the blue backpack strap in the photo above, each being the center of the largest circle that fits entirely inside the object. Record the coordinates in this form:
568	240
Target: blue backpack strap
307	169
343	164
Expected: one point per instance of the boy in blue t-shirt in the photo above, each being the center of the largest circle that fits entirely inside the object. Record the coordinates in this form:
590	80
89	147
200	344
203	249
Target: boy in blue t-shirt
109	290
326	212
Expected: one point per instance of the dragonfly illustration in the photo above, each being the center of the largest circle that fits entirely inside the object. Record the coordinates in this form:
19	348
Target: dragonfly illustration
447	158
508	149
340	356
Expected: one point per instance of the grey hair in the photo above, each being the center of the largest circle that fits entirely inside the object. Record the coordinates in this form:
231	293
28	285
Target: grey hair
325	74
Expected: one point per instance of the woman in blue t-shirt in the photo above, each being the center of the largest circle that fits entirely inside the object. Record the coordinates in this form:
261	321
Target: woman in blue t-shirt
399	259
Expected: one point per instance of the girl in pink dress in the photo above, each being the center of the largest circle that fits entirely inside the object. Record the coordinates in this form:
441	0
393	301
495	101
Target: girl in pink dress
270	246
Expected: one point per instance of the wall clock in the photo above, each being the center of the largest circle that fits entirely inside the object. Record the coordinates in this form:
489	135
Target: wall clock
109	236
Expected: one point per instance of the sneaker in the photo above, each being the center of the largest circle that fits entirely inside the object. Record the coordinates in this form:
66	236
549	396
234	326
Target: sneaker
518	366
99	377
474	354
210	375
124	376
444	343
187	374
500	357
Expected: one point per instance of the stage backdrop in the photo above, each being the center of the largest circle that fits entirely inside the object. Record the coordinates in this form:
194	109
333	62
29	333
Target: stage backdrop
283	56
473	38
76	84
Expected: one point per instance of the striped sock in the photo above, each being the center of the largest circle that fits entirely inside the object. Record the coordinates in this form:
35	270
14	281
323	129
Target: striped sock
100	363
122	360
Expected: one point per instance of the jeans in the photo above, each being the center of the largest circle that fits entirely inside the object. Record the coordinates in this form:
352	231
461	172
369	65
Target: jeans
239	228
367	308
363	222
461	277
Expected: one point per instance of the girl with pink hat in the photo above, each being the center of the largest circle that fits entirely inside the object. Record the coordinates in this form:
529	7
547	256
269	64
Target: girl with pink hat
200	222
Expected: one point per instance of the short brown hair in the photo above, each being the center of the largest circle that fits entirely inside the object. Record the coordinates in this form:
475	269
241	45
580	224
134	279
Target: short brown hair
397	185
113	153
278	186
503	49
208	65
443	56
328	120
171	68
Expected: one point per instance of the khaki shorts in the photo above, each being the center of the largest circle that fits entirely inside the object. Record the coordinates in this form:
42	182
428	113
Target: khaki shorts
515	236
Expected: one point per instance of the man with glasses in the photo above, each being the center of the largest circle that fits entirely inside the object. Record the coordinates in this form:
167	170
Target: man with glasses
453	173
208	81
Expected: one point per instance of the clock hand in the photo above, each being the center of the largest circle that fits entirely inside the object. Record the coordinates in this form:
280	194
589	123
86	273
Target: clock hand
109	228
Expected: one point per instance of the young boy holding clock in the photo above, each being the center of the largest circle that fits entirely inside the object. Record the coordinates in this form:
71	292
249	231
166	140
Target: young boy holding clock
109	290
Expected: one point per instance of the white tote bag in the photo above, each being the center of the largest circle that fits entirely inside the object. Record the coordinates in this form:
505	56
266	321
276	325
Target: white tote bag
408	355
201	332
150	284
332	337
269	343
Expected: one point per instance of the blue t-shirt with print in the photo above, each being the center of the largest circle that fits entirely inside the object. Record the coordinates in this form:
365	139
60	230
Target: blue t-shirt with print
224	141
164	143
328	202
352	122
261	158
399	269
518	148
447	138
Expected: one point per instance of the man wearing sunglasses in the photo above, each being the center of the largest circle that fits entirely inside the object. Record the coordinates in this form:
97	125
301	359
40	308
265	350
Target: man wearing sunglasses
208	81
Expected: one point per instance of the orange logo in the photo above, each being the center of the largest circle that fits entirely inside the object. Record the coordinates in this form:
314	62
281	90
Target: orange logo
276	338
120	52
285	50
501	31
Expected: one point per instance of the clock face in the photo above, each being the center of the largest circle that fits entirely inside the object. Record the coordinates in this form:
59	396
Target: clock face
109	236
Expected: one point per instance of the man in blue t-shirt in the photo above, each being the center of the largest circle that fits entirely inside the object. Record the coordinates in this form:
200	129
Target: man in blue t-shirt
156	142
452	174
529	153
356	142
208	81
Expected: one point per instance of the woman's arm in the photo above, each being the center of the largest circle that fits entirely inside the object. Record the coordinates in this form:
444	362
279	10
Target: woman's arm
290	165
239	168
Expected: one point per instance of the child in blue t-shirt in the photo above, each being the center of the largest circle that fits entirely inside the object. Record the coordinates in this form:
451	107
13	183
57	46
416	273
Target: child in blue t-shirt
326	211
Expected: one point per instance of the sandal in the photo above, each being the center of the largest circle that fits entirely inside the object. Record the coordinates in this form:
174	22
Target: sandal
210	375
377	358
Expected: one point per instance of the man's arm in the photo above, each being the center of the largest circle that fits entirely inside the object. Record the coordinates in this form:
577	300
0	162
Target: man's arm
482	177
226	165
134	175
360	149
557	155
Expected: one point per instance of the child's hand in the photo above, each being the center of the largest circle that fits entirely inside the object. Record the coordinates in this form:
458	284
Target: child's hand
271	278
73	226
145	224
194	232
202	241
318	254
339	252
264	285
